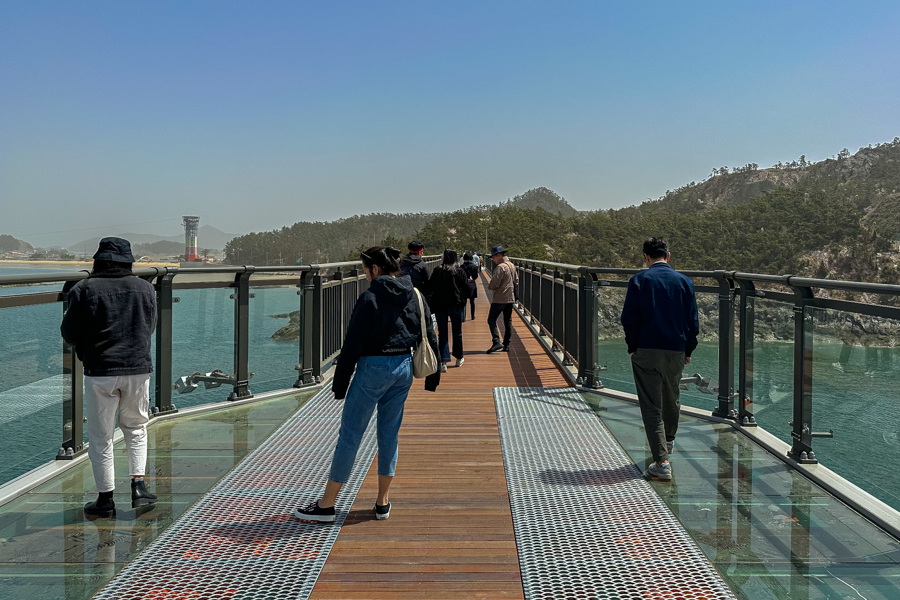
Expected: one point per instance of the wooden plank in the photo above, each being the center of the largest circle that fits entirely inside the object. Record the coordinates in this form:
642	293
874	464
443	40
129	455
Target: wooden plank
450	534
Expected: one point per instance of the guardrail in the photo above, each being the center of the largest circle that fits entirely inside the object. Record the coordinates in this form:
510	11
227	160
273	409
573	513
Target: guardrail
562	302
326	294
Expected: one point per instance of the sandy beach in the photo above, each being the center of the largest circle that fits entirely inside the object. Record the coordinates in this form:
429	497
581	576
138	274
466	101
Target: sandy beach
77	264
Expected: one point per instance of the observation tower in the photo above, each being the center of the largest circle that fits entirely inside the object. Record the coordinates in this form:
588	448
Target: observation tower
191	227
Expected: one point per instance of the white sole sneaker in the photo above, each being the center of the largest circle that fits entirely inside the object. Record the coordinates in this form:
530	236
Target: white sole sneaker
381	516
460	362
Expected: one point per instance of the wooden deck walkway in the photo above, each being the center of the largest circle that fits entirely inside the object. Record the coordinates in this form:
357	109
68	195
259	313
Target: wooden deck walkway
450	534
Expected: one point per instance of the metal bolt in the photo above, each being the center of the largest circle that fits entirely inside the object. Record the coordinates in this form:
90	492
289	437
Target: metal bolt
804	456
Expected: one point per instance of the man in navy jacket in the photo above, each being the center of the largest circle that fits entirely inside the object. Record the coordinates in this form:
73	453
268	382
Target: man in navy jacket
661	327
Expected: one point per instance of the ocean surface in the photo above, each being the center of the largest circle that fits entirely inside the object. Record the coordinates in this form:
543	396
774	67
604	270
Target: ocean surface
855	389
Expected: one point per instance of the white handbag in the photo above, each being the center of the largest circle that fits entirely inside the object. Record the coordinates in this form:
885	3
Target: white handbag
424	361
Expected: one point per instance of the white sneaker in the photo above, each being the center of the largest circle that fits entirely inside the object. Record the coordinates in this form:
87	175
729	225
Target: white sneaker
443	368
660	471
460	361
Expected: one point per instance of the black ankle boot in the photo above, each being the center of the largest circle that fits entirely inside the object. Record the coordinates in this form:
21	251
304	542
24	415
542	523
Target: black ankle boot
103	506
139	494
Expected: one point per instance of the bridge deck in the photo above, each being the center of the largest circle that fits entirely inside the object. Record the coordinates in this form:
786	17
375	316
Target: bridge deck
450	534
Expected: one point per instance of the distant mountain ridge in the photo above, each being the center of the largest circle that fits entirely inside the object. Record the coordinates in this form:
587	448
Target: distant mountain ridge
207	237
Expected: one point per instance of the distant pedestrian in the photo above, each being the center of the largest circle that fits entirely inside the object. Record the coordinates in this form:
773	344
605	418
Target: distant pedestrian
476	258
449	294
661	328
414	267
384	330
503	283
110	318
472	270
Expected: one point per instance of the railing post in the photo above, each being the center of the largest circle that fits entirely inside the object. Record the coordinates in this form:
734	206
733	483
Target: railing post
164	300
535	293
747	309
725	409
570	329
311	328
558	292
73	402
588	298
801	433
301	331
242	335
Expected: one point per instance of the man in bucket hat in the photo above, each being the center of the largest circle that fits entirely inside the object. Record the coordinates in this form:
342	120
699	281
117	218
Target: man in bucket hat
110	318
504	281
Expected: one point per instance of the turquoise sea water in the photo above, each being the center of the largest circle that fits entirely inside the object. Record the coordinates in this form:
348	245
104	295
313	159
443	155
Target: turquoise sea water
856	395
32	387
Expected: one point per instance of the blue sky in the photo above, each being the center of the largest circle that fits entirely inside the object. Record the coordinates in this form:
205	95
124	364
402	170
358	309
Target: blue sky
256	115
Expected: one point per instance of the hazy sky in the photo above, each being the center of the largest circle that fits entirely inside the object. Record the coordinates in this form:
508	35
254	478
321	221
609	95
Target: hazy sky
255	115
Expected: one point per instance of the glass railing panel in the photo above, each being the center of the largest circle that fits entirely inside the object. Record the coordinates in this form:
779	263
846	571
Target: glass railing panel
773	366
769	531
274	337
32	387
202	341
705	358
856	367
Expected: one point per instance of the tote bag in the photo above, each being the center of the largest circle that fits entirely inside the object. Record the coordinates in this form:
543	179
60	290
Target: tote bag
424	361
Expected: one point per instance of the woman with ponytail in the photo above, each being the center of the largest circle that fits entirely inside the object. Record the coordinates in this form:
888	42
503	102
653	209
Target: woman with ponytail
384	331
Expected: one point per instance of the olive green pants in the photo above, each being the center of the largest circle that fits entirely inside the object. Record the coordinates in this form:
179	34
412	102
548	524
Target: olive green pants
656	376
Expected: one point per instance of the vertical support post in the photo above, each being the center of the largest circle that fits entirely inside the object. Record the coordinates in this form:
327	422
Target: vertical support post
301	332
725	408
242	335
559	309
588	296
801	434
747	309
311	328
535	293
163	391
73	402
570	329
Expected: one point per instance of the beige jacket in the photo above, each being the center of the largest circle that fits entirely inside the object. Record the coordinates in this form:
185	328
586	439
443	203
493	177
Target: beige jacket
504	278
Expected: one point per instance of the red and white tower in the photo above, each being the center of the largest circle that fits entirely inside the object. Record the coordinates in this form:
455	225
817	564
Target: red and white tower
191	227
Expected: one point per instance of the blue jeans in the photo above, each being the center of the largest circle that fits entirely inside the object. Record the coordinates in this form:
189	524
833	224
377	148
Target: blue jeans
455	315
381	381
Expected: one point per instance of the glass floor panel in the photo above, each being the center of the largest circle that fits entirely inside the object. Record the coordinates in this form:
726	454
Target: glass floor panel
49	550
770	532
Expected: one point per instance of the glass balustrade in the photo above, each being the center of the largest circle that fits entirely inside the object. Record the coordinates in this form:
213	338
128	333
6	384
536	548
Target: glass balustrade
274	336
32	387
855	394
773	366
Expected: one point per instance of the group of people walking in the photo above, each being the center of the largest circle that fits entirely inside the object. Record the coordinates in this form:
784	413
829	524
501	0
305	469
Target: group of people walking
111	317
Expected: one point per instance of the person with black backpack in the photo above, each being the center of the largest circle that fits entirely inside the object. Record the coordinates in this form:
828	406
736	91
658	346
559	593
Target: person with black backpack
449	293
472	270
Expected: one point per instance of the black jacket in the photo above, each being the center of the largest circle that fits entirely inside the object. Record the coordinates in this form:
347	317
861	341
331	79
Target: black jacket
385	321
415	268
448	290
110	321
472	271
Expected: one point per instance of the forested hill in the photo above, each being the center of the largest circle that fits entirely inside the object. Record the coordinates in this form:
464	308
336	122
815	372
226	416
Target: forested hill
835	218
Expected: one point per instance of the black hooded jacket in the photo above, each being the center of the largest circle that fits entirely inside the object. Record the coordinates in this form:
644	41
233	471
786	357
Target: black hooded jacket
110	319
414	266
385	321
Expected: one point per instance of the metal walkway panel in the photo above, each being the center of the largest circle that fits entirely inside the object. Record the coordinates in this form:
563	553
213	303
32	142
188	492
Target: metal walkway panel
241	540
588	525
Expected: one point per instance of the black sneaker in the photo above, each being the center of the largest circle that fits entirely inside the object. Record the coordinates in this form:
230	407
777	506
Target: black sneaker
495	347
139	494
100	508
313	512
382	511
505	348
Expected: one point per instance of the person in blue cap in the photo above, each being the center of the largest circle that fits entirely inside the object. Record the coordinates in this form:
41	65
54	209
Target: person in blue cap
110	318
503	283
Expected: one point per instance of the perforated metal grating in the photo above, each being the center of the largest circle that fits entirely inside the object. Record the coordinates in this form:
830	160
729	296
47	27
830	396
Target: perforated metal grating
587	524
241	539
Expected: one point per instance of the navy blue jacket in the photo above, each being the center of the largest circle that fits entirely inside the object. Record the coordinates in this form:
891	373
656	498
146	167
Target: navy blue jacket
661	311
385	321
110	320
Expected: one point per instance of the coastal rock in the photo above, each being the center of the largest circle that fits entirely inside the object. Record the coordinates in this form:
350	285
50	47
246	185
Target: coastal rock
291	331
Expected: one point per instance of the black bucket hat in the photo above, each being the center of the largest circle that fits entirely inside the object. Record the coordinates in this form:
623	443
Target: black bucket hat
497	250
114	249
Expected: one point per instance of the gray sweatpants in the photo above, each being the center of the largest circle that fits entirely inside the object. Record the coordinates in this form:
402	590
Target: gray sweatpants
656	376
